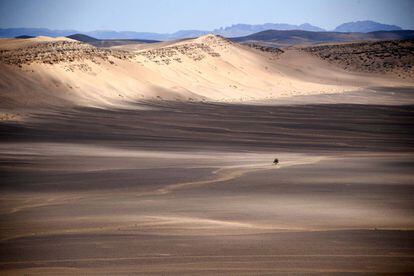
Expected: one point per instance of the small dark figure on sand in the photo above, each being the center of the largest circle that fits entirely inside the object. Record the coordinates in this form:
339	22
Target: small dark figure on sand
276	161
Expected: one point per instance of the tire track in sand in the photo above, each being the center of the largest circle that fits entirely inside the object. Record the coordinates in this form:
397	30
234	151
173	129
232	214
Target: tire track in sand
231	172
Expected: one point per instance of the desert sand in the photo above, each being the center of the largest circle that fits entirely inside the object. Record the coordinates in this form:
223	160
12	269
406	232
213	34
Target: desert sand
190	188
158	159
43	71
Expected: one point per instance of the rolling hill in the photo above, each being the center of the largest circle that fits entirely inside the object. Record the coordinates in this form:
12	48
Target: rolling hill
288	38
108	42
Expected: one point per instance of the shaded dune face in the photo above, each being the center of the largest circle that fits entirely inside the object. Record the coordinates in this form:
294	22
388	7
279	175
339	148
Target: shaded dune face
42	71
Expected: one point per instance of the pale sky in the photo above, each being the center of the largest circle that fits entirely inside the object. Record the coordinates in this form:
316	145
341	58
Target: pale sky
169	16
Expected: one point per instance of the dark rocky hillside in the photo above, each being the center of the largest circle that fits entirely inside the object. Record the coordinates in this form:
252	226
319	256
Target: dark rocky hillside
395	57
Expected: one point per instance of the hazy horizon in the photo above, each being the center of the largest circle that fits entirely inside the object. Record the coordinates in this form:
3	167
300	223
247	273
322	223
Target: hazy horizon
149	16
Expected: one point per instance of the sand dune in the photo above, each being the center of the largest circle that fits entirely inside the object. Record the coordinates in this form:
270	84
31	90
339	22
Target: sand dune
60	71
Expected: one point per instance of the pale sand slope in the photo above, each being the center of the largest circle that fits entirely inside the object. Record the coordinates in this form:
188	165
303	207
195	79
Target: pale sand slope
58	71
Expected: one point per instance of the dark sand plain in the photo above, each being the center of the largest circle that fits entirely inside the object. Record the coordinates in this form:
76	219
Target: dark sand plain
190	188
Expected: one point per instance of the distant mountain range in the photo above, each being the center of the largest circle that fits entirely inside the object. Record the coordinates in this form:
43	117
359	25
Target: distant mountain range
237	30
365	27
295	37
246	29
